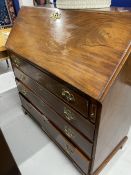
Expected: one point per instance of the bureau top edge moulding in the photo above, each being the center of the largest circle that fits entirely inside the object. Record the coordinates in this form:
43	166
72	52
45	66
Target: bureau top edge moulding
86	49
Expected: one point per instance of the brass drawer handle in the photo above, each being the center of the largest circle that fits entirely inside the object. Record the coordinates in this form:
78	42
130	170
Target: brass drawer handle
68	131
67	95
17	62
68	114
22	77
69	149
24	92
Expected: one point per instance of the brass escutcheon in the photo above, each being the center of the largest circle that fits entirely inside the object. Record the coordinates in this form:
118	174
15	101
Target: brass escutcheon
55	15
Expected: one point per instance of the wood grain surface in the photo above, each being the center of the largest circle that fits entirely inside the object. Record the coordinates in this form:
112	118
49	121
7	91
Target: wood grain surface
115	117
84	48
79	103
72	152
3	38
73	117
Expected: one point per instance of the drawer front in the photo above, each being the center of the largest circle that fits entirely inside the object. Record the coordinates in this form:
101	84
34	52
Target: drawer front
74	118
78	102
72	152
58	121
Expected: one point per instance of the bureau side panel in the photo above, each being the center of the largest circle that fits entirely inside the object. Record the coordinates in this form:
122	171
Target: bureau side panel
115	116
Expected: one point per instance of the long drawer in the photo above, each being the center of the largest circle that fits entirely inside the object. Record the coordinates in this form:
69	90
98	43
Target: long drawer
59	122
73	117
69	149
78	102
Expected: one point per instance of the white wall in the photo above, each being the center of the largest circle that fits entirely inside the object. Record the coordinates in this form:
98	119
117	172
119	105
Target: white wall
26	2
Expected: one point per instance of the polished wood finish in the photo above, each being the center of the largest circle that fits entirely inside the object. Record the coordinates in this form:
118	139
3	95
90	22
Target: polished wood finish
7	163
78	102
3	37
84	48
115	115
64	110
75	155
74	78
62	125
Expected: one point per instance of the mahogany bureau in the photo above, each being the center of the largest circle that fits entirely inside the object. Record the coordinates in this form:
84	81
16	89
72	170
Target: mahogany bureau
73	73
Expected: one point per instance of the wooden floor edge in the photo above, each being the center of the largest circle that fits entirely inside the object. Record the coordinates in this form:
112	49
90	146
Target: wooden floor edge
106	161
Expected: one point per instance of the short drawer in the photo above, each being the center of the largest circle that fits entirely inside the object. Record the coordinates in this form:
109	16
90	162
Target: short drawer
75	100
69	149
63	109
64	127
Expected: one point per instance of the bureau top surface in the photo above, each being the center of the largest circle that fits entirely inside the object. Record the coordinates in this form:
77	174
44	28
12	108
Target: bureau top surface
86	49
